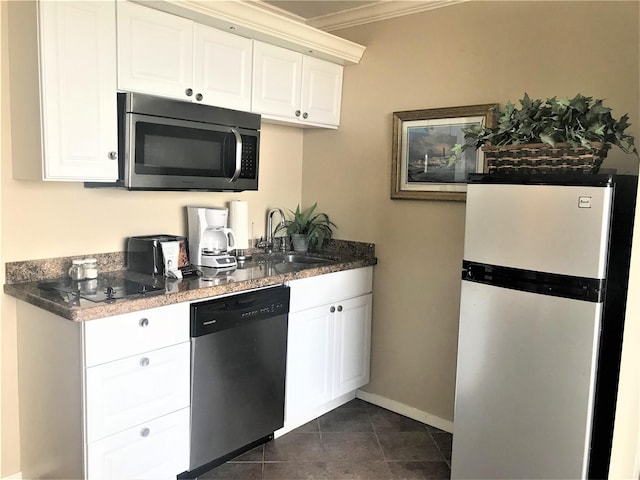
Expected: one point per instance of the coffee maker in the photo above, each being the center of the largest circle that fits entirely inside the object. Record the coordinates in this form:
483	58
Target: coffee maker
209	238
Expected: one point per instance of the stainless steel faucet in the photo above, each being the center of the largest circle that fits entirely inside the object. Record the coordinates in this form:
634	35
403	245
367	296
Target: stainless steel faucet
268	243
270	224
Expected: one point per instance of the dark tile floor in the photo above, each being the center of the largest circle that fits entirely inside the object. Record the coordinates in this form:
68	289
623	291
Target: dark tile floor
355	441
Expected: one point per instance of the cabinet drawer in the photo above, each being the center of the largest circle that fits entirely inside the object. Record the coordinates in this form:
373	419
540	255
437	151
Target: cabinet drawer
120	336
153	450
314	291
136	389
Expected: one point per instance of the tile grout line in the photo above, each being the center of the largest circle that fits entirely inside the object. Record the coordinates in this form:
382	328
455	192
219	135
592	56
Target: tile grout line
444	457
375	432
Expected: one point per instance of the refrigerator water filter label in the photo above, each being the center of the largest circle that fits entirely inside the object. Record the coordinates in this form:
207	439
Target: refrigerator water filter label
584	202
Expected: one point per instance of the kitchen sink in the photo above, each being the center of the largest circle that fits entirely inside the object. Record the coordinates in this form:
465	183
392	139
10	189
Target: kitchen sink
291	262
297	258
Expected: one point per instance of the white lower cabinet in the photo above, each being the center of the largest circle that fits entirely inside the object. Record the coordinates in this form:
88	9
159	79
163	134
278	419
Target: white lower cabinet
136	389
309	361
137	393
352	344
329	344
106	398
158	449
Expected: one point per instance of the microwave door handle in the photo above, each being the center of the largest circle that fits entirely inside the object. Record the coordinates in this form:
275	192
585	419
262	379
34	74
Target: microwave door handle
236	174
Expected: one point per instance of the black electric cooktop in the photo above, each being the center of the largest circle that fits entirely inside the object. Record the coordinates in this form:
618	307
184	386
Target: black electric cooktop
105	288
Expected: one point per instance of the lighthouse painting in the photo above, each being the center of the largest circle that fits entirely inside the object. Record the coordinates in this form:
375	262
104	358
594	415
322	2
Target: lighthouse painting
423	159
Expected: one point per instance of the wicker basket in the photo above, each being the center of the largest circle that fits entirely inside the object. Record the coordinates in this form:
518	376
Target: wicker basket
537	158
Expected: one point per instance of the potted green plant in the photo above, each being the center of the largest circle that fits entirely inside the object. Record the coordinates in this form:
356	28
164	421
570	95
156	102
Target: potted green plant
307	228
564	134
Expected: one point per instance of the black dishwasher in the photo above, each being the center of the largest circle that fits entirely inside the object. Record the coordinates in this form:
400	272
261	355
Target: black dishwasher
238	365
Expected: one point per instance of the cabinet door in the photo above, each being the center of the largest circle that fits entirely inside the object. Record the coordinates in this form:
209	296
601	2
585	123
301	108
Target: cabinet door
352	345
155	51
137	389
152	450
309	361
222	68
78	87
321	91
277	77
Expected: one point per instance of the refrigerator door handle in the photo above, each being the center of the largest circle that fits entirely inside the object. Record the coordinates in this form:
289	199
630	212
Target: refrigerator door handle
553	284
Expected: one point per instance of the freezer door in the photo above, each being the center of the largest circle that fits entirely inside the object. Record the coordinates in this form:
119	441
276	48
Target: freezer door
544	228
524	386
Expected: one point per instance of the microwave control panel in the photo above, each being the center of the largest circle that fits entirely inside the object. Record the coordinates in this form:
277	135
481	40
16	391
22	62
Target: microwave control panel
249	156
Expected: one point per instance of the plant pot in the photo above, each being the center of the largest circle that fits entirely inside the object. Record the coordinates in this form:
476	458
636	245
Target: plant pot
540	158
300	242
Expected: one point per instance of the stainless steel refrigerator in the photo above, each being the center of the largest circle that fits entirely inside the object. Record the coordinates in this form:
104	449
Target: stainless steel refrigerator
544	287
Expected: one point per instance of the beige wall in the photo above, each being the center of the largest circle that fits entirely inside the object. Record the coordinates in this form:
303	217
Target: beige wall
42	220
9	454
470	53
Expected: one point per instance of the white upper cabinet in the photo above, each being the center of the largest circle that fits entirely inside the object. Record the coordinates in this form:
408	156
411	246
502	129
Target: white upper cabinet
277	78
291	87
222	68
155	51
170	56
321	91
78	109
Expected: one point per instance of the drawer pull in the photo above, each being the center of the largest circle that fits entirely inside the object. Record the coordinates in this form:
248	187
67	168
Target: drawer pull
332	309
145	432
143	322
144	362
339	308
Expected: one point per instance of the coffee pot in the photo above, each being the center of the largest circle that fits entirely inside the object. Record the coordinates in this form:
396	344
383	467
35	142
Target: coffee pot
209	238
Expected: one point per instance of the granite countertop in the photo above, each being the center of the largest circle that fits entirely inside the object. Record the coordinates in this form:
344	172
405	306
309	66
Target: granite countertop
25	280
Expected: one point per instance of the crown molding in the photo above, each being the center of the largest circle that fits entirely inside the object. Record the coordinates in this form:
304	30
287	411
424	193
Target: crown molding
278	11
251	20
383	10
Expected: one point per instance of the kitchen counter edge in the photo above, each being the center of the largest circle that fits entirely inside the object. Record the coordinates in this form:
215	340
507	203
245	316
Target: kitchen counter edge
30	293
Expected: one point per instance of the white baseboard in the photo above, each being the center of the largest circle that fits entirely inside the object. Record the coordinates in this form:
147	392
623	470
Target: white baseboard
14	476
406	410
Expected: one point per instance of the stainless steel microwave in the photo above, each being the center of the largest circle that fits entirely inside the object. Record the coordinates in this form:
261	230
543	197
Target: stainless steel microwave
166	144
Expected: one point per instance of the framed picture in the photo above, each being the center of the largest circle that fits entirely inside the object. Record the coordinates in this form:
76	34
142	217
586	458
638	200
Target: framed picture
422	165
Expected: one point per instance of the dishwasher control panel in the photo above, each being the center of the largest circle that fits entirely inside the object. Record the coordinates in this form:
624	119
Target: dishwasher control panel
228	312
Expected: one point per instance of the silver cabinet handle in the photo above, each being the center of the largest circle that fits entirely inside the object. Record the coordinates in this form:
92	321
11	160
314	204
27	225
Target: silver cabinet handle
297	113
113	155
339	308
189	92
144	361
143	322
199	97
236	174
305	115
145	432
332	309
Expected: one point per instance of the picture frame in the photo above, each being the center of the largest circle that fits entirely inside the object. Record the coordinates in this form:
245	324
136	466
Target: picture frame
421	149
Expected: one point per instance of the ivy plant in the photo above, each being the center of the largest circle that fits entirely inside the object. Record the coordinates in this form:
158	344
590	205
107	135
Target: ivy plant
578	121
